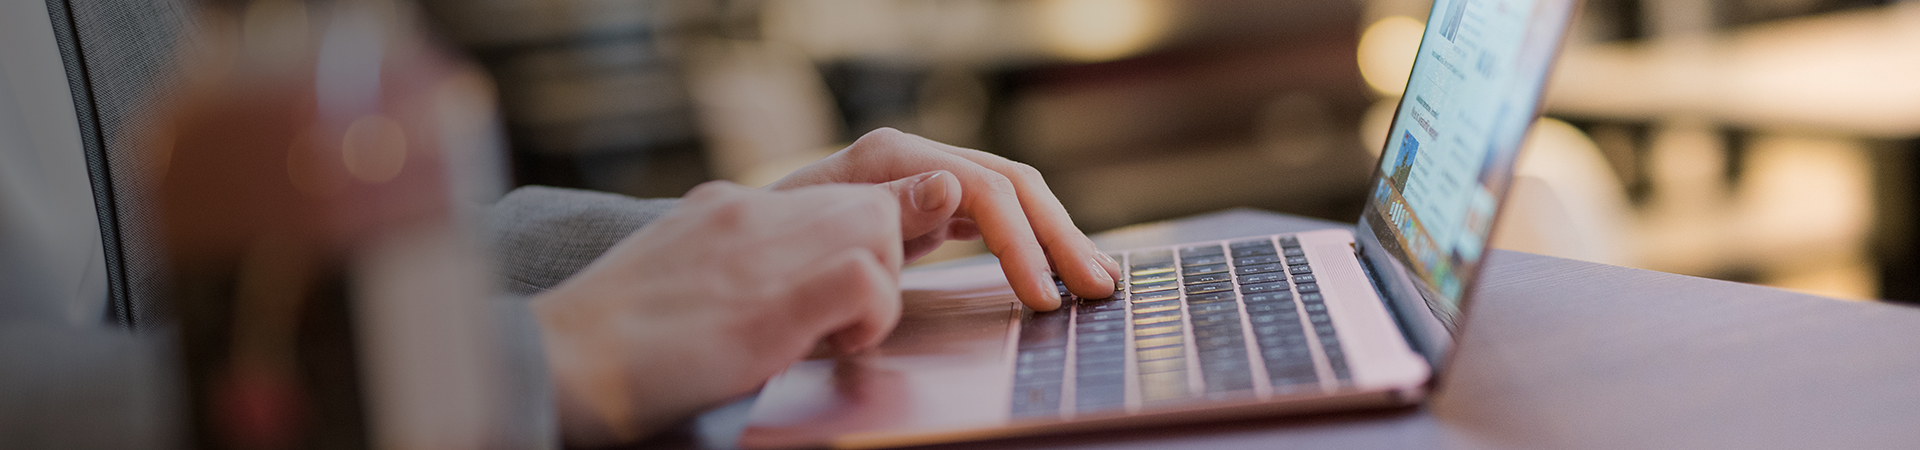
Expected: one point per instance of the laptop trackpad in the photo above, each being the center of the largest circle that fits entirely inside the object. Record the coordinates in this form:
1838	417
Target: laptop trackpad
946	366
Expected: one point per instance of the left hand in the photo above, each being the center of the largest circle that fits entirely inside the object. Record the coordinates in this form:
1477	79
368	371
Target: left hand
960	193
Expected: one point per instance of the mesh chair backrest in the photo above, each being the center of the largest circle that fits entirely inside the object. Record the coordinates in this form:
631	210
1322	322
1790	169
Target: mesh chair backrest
119	57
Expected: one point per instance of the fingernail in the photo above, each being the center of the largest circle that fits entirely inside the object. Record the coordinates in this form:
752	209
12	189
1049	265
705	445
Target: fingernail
1098	264
1112	267
931	193
1052	290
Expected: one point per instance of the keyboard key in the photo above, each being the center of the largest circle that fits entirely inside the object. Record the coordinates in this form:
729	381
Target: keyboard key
1220	342
1155	296
1242	252
1203	260
1262	268
1101	380
1277	327
1200	250
1275	296
1226	365
1294	251
1303	278
1102	316
1293	378
1156	307
1210	287
1156	314
1212	307
1164	365
1205	278
1055	355
1215	319
1309	287
1085	311
1160	353
1223	384
1222	355
1035	372
1300	269
1289	241
1155	277
1153	287
1160	341
1212	297
1262	278
1229	359
1206	269
1140	270
1103	345
1036	400
1263	319
1309	297
1086	339
1156	319
1293	339
1211	331
1286	354
1097	327
1269	307
1296	260
1288	362
1156	330
1256	260
1251	289
1048	329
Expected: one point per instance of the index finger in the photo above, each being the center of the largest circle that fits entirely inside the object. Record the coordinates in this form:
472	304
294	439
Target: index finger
1086	271
1007	202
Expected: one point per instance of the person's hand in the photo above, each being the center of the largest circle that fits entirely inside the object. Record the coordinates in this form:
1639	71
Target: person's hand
1002	201
718	296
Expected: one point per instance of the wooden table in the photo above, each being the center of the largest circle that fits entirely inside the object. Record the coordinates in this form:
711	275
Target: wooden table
1559	353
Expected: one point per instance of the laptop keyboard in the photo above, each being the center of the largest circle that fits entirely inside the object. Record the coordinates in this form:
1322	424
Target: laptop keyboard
1188	313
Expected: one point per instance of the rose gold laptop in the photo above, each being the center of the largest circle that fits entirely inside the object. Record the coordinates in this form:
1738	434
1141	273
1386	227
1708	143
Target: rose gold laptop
1262	325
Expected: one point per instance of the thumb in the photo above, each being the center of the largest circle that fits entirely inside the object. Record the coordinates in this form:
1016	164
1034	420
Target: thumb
927	200
861	296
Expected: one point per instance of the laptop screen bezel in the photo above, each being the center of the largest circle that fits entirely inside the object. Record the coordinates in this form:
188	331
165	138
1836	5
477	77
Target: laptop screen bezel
1407	295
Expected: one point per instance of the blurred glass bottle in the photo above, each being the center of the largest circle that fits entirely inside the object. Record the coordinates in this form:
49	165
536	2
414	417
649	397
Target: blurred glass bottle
311	179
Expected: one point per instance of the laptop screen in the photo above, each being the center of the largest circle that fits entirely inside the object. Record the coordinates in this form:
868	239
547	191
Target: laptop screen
1474	90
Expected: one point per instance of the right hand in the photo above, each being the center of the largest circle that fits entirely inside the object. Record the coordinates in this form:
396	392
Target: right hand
718	296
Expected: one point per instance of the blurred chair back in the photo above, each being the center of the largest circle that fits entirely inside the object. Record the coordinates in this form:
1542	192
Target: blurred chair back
119	58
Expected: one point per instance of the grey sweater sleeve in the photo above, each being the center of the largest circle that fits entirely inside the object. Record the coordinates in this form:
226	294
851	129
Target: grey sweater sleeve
540	237
543	235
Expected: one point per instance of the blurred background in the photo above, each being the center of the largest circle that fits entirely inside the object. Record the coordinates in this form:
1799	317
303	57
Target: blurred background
1762	141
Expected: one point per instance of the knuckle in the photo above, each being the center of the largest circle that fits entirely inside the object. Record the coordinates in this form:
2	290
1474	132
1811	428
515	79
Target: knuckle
998	184
884	134
1024	170
728	214
707	191
879	140
1007	247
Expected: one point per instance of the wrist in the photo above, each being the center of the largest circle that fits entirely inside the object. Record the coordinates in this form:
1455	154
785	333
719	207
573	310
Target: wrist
591	391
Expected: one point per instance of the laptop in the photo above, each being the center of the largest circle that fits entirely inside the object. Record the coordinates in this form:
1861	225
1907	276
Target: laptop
1296	323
